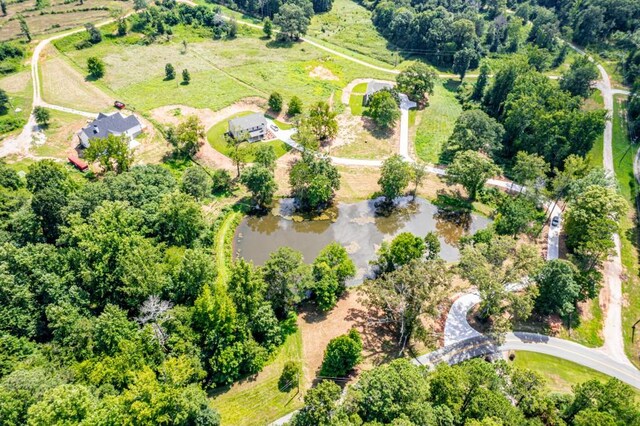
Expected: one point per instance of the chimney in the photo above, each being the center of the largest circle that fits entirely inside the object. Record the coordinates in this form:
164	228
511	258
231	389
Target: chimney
95	129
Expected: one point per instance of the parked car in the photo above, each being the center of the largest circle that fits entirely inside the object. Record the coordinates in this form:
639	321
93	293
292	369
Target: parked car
555	221
119	105
275	128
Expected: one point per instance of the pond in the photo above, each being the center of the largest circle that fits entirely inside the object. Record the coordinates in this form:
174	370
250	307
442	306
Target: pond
356	226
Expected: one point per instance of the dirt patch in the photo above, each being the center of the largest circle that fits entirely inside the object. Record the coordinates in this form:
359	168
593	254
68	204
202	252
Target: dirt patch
318	328
174	114
322	73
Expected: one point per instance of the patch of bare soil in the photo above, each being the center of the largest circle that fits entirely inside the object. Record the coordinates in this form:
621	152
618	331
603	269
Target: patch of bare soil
174	114
318	328
348	128
322	73
282	172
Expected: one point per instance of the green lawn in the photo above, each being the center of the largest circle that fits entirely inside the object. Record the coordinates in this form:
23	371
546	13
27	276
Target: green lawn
435	123
222	71
595	155
356	99
560	374
258	401
216	139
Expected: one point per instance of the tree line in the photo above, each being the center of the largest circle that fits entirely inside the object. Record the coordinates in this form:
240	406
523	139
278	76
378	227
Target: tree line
474	393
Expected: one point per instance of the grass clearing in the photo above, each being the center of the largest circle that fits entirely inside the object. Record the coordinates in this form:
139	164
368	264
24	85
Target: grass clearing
257	400
561	374
64	85
222	71
435	123
348	25
216	139
61	135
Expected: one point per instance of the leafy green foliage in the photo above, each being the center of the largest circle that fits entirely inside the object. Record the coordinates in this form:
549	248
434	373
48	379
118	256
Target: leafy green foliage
559	289
471	170
343	353
261	183
286	277
383	109
417	82
95	66
293	22
187	138
294	107
314	180
179	221
331	269
475	131
111	152
394	177
275	99
577	80
404	248
42	115
196	182
290	377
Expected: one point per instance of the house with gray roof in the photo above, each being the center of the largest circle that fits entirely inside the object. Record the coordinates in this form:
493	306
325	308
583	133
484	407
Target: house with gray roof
251	127
374	87
112	124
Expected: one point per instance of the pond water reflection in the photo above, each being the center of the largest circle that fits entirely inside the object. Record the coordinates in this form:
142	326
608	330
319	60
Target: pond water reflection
356	226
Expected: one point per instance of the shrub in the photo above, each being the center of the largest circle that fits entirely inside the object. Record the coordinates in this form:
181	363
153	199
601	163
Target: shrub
275	102
342	354
290	376
222	181
295	106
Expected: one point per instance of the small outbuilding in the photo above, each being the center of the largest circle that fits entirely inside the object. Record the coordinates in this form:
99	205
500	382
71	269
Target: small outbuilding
374	87
253	127
112	124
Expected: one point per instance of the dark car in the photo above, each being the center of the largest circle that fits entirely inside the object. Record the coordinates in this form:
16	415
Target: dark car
555	221
119	105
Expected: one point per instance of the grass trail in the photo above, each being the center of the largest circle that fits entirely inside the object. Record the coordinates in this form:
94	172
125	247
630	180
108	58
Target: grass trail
223	242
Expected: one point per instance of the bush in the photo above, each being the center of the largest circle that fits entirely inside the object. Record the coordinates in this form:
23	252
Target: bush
295	106
275	102
342	354
221	181
290	376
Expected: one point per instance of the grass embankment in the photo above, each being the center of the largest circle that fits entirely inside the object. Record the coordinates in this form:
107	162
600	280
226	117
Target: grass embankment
435	123
356	99
561	374
256	400
216	139
623	157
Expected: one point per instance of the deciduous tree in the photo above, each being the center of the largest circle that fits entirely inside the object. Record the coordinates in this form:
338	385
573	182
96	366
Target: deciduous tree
275	100
292	20
471	170
95	66
383	109
342	354
196	182
394	177
112	153
417	82
260	182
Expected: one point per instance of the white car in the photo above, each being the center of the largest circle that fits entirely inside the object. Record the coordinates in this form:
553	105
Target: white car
275	128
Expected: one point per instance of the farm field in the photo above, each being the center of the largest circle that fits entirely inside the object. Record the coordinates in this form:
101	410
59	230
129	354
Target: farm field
222	71
57	15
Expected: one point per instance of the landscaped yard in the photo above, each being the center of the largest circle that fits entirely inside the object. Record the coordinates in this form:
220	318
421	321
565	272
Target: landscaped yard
356	99
257	400
216	139
434	124
560	374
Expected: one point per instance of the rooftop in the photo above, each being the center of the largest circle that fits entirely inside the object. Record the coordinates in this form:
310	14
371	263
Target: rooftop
247	122
376	86
115	123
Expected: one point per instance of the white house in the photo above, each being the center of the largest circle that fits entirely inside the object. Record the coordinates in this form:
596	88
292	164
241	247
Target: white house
113	124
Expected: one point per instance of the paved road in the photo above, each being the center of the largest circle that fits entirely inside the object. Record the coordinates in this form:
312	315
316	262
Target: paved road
405	106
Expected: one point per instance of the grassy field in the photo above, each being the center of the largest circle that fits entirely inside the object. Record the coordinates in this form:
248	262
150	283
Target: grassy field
560	374
435	123
67	86
216	139
222	71
595	155
18	87
258	401
57	16
349	26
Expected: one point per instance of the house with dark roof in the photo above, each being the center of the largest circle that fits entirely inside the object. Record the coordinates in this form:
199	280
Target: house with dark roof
374	87
251	127
112	124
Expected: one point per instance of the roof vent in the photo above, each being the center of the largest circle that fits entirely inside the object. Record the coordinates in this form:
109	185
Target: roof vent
95	129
